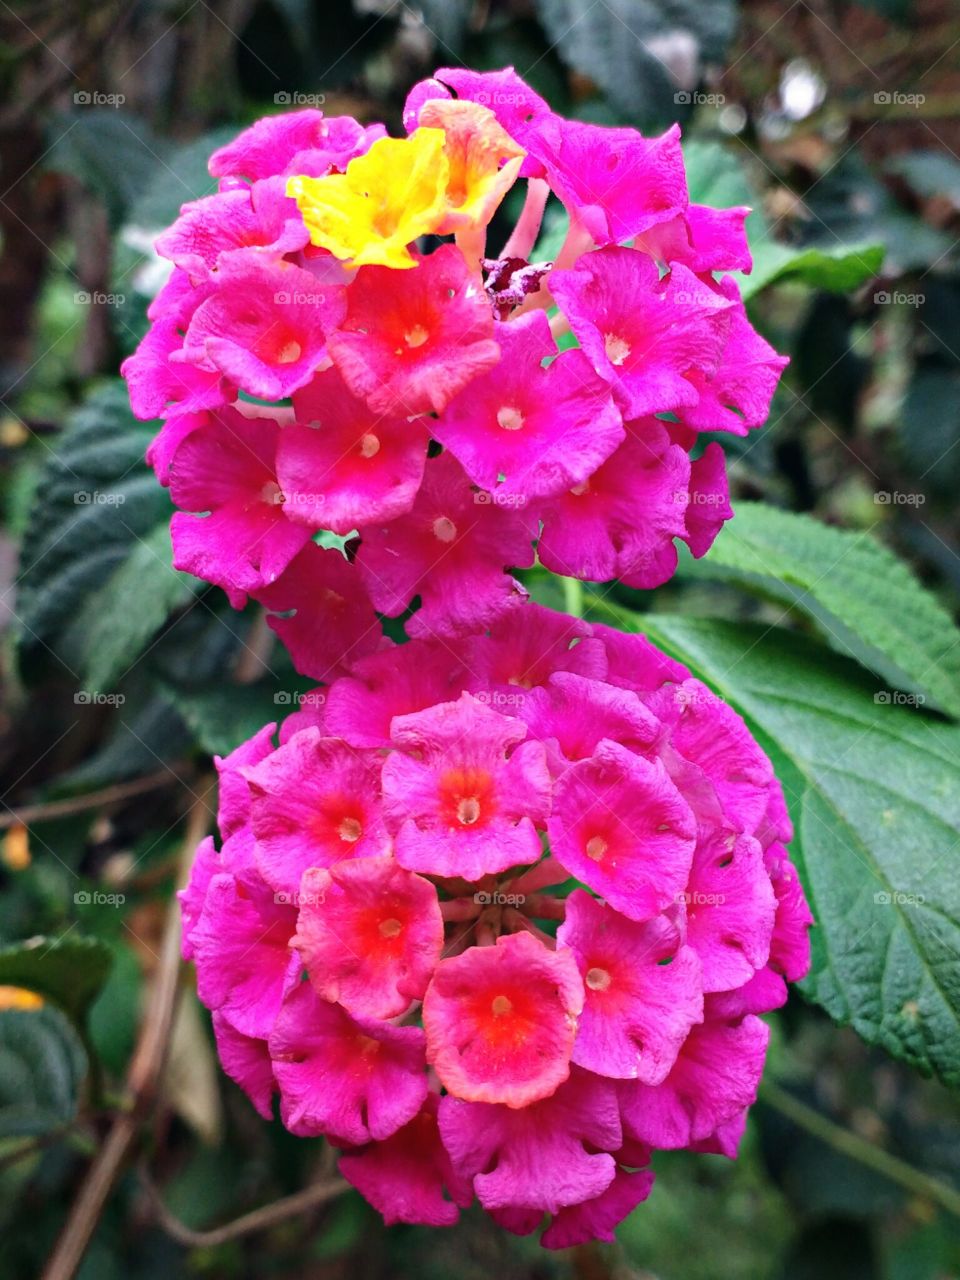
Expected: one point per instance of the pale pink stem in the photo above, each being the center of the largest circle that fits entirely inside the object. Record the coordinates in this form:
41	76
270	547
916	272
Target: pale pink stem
524	235
514	921
472	243
559	325
545	907
548	871
578	241
460	909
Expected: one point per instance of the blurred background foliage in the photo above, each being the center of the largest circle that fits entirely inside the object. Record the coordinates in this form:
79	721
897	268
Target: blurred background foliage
840	123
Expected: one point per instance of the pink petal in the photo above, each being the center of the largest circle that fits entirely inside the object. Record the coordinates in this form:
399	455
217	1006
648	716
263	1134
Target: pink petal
643	990
408	345
354	1079
369	934
620	825
342	465
409	1177
500	1021
543	430
465	799
315	801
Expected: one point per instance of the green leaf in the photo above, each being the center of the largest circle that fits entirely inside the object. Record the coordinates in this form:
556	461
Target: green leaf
716	177
42	1065
838	268
865	602
114	632
872	790
68	970
112	153
624	46
223	715
96	502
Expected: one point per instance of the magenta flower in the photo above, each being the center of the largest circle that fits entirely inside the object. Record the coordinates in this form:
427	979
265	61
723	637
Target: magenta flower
390	939
498	910
331	244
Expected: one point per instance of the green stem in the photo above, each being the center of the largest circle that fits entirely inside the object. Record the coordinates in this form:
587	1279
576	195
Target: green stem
859	1149
573	596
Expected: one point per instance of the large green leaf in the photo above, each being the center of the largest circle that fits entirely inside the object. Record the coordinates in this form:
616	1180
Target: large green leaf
112	153
625	46
96	580
95	499
873	794
839	268
68	970
716	176
42	1065
114	632
865	601
222	715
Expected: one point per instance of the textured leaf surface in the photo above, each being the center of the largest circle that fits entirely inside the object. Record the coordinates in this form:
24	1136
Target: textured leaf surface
873	793
42	1065
866	602
69	971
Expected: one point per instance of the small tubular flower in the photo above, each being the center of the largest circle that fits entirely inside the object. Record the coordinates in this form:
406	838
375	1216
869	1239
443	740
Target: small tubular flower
386	198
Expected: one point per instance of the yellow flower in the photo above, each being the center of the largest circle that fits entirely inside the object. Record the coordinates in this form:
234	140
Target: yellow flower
484	160
19	998
385	200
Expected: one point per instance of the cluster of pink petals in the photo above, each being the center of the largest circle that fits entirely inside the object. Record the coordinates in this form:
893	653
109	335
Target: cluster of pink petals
499	920
430	413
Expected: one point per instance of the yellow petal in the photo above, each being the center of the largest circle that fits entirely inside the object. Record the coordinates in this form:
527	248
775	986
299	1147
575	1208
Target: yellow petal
385	200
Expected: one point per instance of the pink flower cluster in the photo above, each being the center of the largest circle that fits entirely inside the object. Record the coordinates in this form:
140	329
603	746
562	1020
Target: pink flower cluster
500	921
429	412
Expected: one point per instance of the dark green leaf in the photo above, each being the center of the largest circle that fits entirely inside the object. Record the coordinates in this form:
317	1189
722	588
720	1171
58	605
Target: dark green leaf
873	794
716	176
69	970
223	715
94	499
865	602
112	153
42	1065
114	632
627	46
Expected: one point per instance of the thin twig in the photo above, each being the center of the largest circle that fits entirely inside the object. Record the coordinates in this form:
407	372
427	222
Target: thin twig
267	1215
143	1078
89	800
859	1149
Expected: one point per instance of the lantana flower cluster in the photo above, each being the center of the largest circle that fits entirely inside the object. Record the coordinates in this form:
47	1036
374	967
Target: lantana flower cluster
342	347
498	920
